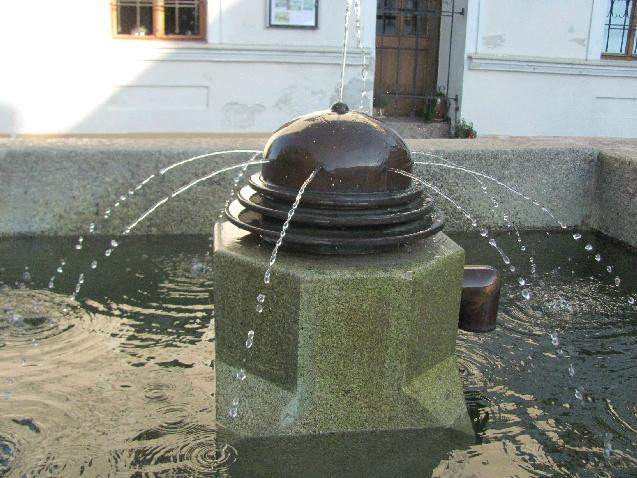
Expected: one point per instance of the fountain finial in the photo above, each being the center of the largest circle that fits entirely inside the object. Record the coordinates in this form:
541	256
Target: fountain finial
340	108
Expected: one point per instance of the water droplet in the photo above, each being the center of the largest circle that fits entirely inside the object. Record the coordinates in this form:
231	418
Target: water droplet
250	339
26	276
93	264
234	411
107	252
114	243
91	227
241	375
131	192
484	232
523	248
617	281
554	339
533	269
571	370
492	242
259	308
266	276
261	298
526	294
60	270
474	223
609	269
521	281
512	268
631	300
51	282
608	446
78	246
578	394
577	236
23	361
598	257
588	247
117	204
122	198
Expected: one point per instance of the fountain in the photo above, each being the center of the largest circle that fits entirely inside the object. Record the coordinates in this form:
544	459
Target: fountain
338	357
355	328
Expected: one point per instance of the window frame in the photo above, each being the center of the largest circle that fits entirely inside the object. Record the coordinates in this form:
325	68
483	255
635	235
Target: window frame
158	24
628	54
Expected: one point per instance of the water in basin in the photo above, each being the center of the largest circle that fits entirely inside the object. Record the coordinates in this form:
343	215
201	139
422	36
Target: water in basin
120	382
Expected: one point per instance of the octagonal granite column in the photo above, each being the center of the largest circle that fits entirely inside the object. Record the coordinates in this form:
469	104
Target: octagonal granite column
343	343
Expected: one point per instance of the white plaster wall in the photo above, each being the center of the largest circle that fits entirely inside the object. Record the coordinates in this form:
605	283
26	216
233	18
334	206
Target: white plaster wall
552	28
544	104
64	73
533	67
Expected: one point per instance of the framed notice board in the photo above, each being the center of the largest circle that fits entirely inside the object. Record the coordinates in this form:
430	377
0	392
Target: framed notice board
293	13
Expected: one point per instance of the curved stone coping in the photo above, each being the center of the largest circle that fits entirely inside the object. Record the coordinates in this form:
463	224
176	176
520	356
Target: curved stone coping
59	186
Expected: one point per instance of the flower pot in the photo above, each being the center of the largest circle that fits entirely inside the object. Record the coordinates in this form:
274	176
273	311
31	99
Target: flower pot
440	109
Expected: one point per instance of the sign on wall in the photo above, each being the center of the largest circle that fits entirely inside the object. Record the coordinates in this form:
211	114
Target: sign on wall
293	13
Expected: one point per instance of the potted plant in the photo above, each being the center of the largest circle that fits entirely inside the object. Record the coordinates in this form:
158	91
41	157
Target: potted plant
436	107
464	130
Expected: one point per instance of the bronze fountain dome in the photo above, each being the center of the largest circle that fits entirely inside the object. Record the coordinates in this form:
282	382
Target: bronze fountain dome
355	203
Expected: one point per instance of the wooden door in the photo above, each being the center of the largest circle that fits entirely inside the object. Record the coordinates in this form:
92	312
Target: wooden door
407	38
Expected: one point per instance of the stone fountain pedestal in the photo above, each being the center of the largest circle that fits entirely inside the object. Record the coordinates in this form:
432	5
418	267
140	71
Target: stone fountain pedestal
342	344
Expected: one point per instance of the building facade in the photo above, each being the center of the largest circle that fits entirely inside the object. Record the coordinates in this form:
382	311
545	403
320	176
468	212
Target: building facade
545	67
529	67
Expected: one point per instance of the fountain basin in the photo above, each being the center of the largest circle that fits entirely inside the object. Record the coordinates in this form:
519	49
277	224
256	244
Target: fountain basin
587	183
343	343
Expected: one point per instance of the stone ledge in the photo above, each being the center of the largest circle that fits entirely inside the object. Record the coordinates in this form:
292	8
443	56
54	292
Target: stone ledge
59	186
560	66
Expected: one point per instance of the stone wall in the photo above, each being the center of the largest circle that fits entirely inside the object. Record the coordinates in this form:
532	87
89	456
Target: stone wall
59	187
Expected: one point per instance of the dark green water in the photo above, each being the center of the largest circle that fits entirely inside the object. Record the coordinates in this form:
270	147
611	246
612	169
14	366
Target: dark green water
120	381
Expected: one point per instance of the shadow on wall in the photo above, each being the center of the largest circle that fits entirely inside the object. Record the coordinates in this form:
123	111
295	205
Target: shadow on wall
200	88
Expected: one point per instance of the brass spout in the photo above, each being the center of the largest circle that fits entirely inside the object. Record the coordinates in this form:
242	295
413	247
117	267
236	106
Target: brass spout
480	299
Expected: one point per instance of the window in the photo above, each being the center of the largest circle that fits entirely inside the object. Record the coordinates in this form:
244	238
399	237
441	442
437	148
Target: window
406	17
620	38
159	19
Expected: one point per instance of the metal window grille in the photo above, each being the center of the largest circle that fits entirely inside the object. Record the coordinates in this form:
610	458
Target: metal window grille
620	29
407	17
181	17
135	17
